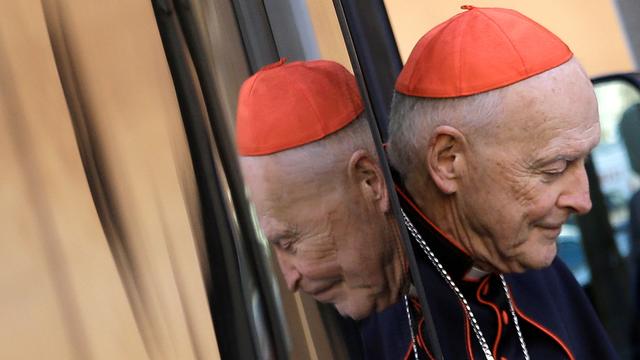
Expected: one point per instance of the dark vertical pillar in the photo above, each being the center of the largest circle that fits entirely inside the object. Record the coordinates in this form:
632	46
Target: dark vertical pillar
378	53
257	36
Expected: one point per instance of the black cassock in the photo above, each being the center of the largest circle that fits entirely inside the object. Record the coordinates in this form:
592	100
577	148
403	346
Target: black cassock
556	318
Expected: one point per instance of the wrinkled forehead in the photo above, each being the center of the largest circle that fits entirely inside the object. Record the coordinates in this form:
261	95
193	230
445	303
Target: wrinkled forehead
560	96
261	182
276	229
554	110
277	187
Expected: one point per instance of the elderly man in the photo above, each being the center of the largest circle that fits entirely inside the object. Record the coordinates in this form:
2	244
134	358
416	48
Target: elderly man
308	158
491	123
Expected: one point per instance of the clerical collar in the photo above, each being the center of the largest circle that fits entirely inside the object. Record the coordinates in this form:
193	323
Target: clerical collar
475	274
454	258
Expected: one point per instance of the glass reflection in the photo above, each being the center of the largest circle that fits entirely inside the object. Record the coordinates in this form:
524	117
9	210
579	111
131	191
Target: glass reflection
619	178
309	161
313	182
571	251
617	161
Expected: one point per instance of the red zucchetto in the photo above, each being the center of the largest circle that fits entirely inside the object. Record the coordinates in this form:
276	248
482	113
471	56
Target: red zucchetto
283	106
479	50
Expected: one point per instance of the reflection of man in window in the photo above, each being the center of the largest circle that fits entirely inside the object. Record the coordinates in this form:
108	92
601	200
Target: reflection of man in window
490	126
310	163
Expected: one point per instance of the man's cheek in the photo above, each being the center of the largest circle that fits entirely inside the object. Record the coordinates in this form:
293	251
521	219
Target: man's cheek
319	268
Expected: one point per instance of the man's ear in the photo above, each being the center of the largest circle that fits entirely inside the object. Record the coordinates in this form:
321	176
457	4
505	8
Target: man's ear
365	173
445	158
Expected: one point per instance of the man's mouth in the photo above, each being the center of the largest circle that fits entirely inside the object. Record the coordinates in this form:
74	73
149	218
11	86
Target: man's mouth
322	293
553	232
552	229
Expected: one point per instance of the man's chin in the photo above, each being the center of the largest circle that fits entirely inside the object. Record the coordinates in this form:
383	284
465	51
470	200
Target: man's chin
543	263
355	311
540	261
539	254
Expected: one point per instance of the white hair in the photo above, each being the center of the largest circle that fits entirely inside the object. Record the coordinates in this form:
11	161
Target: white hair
413	119
331	154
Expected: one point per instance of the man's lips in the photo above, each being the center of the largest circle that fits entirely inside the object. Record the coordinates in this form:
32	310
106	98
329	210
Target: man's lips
553	229
553	224
554	232
321	292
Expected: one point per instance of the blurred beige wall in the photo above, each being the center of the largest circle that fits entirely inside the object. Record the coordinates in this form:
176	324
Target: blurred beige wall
328	33
99	240
591	28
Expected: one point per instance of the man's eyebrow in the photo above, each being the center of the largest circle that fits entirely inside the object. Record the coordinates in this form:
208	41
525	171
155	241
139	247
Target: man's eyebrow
563	154
551	160
277	237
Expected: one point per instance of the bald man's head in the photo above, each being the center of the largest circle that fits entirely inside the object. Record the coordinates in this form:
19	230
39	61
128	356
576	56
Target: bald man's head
325	209
501	171
325	160
413	119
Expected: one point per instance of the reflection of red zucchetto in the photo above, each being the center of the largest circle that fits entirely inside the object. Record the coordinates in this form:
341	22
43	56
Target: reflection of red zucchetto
283	106
479	50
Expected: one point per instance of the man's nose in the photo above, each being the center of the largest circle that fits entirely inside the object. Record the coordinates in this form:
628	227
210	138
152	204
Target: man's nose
576	195
289	271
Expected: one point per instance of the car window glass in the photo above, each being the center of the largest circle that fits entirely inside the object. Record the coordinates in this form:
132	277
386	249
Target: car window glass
617	167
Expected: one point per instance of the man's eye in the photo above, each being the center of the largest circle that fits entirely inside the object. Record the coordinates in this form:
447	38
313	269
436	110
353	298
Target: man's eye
287	245
557	168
